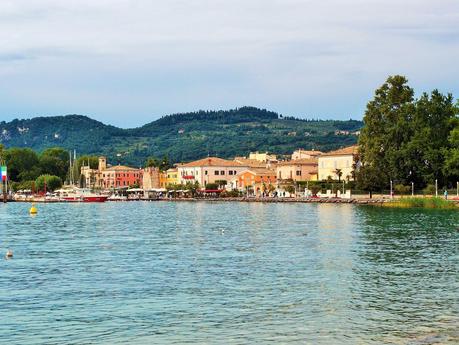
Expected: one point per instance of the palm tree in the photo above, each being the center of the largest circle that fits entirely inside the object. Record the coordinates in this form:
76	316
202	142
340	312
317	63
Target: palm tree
339	173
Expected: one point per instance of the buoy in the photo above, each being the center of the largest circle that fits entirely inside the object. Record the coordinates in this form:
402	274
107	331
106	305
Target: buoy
9	254
33	209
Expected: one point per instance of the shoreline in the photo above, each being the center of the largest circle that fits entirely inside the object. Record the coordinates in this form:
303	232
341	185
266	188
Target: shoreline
358	201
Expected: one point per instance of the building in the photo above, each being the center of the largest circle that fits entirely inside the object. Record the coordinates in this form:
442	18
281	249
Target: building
172	177
151	178
262	157
105	176
251	163
209	170
305	154
258	180
339	161
121	176
297	170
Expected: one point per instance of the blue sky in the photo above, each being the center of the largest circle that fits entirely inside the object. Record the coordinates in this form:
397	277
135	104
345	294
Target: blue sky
129	62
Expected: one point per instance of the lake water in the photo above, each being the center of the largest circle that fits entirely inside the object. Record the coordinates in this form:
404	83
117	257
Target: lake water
228	273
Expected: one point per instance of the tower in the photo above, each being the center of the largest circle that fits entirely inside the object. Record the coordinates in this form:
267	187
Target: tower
102	163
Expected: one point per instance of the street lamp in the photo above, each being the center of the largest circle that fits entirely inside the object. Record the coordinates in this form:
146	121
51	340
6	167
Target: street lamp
436	188
412	188
391	190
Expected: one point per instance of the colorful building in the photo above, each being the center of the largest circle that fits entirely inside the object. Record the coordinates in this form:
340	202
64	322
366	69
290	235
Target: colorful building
121	176
105	176
339	161
209	170
258	180
297	170
172	177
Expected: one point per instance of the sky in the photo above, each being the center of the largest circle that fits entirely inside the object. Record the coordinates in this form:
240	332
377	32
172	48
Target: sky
128	62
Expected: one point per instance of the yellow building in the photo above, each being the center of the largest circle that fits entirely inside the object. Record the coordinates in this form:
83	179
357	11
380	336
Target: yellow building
172	177
341	160
262	156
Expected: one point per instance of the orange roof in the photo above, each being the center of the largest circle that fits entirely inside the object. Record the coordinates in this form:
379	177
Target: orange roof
259	172
212	161
304	161
121	168
309	152
250	162
350	150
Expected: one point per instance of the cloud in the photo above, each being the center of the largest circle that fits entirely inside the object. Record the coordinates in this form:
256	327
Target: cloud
127	61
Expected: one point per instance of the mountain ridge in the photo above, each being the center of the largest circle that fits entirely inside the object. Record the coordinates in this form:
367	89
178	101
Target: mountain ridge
182	136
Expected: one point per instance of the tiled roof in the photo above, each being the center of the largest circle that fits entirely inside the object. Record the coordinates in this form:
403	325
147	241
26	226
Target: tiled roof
309	152
259	172
350	150
212	161
304	161
121	168
250	162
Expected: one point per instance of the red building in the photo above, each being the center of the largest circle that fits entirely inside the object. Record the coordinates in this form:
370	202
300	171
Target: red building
120	176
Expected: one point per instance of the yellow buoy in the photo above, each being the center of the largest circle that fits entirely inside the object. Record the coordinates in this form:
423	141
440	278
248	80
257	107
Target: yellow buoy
33	209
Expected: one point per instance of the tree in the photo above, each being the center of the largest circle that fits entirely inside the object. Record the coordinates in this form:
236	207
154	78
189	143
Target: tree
290	189
23	164
451	165
339	173
386	130
369	179
52	182
152	162
54	161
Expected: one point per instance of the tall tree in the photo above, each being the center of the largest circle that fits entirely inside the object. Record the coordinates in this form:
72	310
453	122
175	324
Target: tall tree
386	130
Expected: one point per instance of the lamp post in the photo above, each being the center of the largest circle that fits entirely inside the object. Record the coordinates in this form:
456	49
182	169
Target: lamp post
457	189
412	188
436	188
391	190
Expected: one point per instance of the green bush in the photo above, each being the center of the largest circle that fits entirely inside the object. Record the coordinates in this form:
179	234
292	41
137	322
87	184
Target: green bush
429	190
52	182
402	189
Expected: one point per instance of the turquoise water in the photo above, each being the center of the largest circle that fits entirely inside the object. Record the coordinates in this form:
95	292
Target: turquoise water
228	273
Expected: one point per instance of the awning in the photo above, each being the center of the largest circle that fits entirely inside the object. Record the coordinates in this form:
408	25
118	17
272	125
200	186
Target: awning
135	190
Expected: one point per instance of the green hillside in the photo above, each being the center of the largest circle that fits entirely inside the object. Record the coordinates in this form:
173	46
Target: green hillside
182	137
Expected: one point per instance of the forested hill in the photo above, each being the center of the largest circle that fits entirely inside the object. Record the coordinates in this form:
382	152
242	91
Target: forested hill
182	137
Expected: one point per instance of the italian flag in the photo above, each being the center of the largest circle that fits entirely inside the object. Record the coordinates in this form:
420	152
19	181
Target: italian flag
3	169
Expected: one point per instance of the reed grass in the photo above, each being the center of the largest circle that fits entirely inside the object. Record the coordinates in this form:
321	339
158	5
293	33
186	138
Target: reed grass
419	202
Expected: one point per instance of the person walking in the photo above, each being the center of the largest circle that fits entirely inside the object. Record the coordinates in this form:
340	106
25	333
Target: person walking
446	194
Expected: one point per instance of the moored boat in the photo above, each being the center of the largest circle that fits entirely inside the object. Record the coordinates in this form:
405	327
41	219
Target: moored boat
80	195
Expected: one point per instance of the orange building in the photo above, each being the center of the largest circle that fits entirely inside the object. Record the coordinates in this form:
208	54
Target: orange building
258	180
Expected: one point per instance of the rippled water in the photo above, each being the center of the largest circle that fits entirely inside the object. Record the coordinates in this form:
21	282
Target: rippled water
228	273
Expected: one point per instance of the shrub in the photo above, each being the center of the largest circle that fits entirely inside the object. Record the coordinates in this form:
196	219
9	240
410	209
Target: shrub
429	190
52	182
402	189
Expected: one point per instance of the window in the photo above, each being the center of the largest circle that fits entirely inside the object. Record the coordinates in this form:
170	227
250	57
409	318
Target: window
222	172
205	172
217	172
280	174
230	172
298	173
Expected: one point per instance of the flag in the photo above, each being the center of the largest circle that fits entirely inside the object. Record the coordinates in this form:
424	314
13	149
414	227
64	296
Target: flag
3	169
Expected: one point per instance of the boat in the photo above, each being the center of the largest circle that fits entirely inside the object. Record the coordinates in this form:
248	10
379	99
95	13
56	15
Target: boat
80	195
